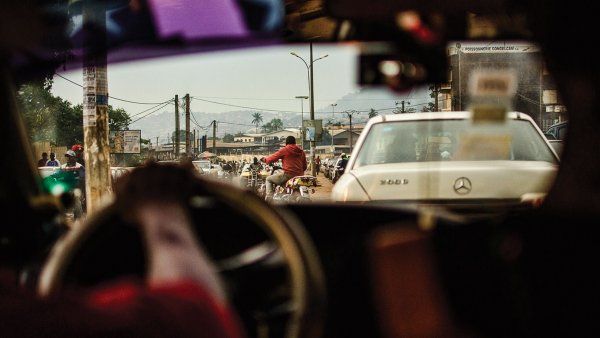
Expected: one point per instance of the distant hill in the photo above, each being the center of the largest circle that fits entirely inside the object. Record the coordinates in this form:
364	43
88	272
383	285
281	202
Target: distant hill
162	124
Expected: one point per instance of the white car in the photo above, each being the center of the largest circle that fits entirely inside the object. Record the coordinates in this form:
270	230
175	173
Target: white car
445	158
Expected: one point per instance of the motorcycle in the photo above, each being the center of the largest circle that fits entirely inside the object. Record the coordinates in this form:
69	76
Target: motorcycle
67	182
339	171
295	190
253	178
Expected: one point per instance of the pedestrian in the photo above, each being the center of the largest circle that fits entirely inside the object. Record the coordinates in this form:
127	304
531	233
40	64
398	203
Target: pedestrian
76	173
53	161
318	165
78	149
42	161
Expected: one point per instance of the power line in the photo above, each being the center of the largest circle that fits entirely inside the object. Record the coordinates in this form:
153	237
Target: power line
237	124
148	114
112	97
145	110
528	99
245	107
290	99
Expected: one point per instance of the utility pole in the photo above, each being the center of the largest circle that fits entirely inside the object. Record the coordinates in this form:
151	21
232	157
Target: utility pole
436	92
309	67
194	143
188	142
95	106
402	111
350	113
331	125
176	141
313	170
214	143
302	98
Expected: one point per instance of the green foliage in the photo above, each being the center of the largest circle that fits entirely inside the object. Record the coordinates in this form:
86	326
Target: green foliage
267	128
257	119
50	118
228	138
277	124
273	125
118	119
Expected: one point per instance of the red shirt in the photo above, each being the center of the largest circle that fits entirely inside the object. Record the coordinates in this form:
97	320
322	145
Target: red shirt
294	159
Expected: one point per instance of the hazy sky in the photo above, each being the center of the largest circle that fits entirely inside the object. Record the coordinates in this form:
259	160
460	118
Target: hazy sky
267	77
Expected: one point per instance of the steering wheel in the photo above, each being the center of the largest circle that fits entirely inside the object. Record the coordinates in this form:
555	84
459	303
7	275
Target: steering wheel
105	248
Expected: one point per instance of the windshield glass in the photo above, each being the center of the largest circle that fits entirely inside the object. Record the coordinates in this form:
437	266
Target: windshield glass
453	140
229	109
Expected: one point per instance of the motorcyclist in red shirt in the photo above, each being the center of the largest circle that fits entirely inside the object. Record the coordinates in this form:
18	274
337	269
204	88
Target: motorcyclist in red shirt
294	164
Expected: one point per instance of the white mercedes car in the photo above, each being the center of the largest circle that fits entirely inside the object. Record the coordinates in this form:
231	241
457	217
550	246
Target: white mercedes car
448	158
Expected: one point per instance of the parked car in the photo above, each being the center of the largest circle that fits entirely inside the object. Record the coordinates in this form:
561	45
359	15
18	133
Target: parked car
443	158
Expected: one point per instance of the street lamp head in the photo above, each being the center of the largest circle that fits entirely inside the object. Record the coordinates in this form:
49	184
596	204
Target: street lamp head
294	53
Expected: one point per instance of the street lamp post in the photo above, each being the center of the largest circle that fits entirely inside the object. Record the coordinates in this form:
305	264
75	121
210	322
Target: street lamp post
302	98
310	70
330	129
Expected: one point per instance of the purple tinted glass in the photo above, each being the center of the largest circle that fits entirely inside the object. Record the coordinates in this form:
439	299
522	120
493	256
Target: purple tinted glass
197	19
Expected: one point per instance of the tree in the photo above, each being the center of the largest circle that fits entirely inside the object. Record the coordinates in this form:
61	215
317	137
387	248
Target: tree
257	119
71	126
430	107
373	113
267	127
276	124
228	138
118	119
50	118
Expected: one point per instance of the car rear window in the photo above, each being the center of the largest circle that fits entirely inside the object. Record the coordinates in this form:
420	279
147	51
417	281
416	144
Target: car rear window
453	140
